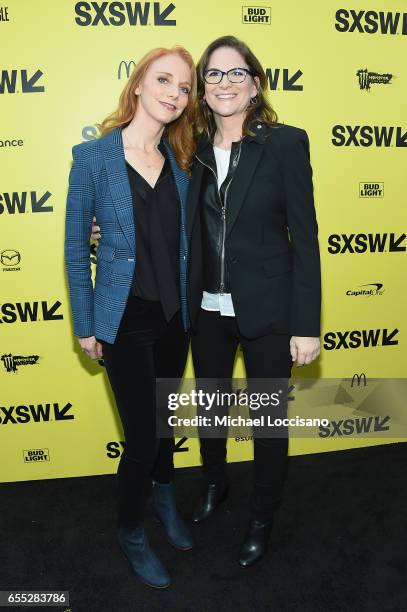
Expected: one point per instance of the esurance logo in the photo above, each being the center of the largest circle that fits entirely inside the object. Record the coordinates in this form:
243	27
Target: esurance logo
21	81
371	22
366	243
35	413
256	14
356	338
27	312
124	13
4	13
25	201
368	135
282	78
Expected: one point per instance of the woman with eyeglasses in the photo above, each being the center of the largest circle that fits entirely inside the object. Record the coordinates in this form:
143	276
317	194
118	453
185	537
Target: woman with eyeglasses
257	284
134	179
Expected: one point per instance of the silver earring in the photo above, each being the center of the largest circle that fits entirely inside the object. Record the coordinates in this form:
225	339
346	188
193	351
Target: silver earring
254	100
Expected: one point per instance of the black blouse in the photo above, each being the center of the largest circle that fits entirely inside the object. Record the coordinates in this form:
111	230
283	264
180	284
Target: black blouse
157	229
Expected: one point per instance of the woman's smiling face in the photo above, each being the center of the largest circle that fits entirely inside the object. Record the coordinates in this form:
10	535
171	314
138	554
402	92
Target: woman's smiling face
225	98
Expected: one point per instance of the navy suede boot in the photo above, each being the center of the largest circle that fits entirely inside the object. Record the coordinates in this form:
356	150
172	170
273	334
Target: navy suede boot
134	543
164	508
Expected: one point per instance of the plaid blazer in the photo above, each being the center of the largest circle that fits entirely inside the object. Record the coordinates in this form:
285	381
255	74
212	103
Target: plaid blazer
98	185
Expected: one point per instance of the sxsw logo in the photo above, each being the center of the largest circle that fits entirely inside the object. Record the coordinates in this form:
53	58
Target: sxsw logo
35	413
127	67
366	78
121	13
36	455
281	78
114	449
256	14
371	190
364	338
357	426
370	22
30	311
21	81
23	201
366	243
368	135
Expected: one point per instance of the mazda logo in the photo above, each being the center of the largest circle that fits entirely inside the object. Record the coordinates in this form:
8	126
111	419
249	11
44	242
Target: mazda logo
10	258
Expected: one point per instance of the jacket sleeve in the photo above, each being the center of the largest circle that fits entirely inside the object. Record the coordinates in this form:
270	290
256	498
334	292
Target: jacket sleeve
305	306
79	214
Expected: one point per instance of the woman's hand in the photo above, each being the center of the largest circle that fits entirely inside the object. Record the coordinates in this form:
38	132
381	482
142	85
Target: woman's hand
91	347
95	235
304	349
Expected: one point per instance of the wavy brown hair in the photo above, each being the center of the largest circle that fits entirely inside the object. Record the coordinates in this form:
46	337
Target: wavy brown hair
179	132
259	110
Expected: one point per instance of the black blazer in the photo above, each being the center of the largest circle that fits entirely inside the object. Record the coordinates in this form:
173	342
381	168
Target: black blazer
271	248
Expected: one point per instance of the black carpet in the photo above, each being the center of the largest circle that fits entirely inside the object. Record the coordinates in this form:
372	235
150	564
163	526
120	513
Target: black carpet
339	542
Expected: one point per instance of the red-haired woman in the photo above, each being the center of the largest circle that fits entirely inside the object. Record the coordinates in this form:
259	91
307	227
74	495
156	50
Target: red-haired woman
134	179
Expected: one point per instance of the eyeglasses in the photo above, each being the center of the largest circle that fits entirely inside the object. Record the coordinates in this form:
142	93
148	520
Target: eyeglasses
234	75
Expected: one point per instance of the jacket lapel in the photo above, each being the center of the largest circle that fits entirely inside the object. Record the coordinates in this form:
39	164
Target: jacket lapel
119	184
193	195
251	153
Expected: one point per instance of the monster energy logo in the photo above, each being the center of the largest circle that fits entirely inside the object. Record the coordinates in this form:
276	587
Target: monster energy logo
366	78
11	363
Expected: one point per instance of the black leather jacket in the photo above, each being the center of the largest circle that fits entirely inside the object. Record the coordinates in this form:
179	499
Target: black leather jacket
214	205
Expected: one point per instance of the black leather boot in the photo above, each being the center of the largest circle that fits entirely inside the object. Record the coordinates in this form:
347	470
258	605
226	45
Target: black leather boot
255	543
213	495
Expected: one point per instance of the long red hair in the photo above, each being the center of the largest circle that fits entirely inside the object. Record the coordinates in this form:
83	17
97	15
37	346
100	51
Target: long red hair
179	132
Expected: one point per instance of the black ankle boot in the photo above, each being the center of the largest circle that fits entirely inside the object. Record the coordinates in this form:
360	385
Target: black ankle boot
255	543
213	495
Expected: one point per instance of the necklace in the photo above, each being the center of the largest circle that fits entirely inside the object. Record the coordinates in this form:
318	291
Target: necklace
128	145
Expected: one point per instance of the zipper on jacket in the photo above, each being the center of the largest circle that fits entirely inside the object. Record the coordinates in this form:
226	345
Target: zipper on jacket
235	161
223	215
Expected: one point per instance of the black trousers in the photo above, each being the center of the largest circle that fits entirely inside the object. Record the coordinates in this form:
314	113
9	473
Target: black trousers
214	347
146	347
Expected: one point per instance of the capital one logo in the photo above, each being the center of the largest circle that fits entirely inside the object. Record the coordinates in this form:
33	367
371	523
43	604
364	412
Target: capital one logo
122	13
371	22
281	78
21	81
368	136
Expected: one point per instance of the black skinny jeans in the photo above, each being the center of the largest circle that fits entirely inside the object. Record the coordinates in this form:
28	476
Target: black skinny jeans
146	347
214	347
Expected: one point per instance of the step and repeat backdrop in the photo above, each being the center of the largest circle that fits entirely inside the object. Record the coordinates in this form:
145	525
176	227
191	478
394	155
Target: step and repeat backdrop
336	69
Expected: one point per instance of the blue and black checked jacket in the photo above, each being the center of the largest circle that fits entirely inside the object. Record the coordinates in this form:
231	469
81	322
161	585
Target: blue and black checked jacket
98	185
